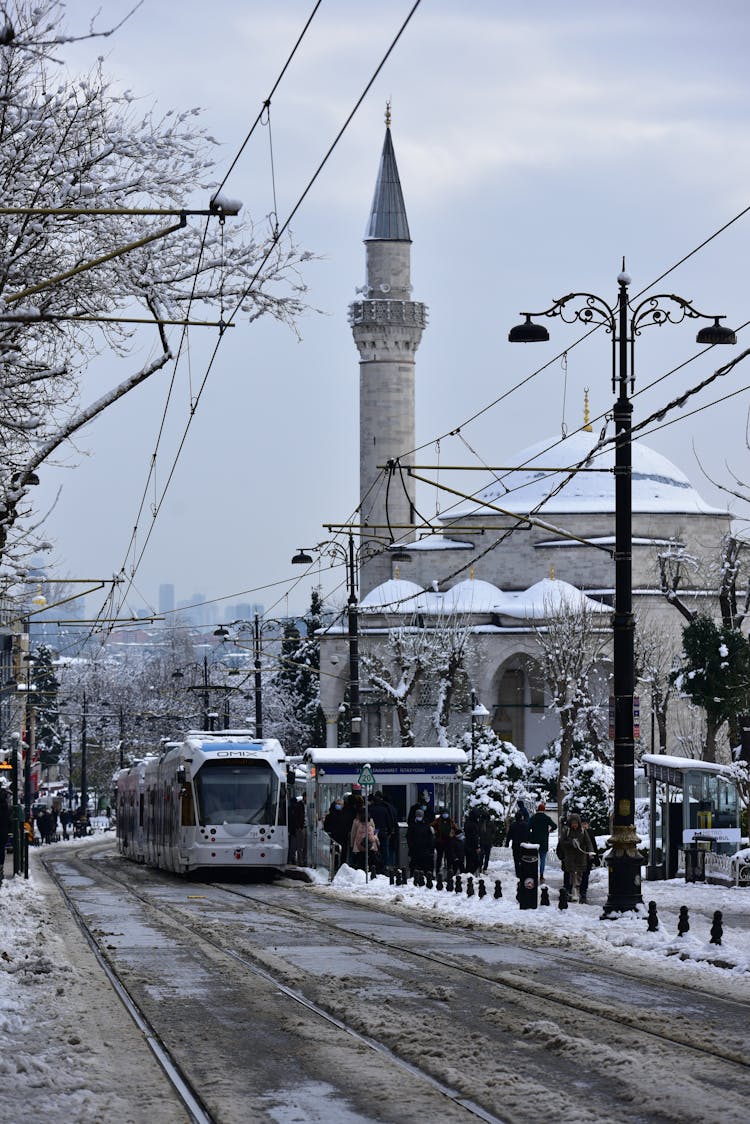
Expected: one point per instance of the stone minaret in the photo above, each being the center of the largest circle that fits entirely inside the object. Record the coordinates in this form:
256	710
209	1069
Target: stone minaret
387	327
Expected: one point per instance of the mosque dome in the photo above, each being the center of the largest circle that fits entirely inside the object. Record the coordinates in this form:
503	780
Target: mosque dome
658	485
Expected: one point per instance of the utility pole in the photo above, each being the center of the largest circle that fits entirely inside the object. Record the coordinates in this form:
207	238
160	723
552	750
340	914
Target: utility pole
84	779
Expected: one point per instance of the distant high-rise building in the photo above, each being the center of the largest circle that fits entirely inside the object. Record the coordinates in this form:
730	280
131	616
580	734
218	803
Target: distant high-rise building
166	598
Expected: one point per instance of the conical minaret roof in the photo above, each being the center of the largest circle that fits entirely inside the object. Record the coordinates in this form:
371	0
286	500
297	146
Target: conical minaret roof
388	220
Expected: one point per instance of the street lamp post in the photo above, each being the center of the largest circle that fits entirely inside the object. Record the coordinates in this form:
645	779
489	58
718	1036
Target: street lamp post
623	323
84	757
350	557
479	718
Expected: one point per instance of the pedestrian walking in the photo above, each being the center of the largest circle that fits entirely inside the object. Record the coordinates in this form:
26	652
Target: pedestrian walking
541	827
573	850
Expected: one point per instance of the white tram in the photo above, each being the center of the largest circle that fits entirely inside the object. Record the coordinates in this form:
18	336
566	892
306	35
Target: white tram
214	800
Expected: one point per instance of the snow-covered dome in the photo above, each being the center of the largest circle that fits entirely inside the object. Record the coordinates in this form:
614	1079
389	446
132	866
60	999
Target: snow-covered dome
472	596
545	599
396	595
658	485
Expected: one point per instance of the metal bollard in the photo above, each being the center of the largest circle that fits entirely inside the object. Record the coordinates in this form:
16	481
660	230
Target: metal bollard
528	883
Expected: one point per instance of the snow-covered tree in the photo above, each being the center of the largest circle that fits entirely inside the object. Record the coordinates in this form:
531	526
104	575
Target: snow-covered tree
449	644
571	643
656	657
396	672
68	144
295	713
590	788
498	776
714	673
43	697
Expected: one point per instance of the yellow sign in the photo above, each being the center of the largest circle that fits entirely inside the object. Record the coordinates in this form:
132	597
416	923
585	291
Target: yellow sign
5	765
623	807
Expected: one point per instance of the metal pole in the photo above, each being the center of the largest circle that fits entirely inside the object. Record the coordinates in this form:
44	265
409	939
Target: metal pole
258	679
353	620
27	757
473	727
70	766
367	834
84	778
624	860
122	738
206	699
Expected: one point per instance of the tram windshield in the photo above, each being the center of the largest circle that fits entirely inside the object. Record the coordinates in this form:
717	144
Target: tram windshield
236	792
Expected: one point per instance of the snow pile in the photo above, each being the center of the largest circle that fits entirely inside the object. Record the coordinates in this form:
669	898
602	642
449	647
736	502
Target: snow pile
579	927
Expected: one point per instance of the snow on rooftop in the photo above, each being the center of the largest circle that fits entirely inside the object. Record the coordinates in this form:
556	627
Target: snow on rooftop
658	485
472	596
541	601
400	755
546	598
397	594
437	542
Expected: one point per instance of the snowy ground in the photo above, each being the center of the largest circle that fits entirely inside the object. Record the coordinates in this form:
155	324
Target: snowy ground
69	1045
70	1050
691	959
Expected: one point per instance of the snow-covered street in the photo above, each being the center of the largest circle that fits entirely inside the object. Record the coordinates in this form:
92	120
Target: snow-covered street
75	1051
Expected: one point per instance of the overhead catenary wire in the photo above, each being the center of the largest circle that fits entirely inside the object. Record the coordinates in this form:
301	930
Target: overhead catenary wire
270	250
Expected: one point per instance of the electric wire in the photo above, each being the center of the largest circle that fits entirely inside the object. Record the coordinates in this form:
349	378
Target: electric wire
265	258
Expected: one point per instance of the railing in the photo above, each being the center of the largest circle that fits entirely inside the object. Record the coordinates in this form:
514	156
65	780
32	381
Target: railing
728	868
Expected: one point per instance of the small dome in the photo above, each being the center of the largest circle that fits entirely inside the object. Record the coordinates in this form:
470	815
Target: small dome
545	599
472	596
396	595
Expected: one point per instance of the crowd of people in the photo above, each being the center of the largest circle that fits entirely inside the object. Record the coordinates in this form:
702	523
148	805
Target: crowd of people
576	846
437	845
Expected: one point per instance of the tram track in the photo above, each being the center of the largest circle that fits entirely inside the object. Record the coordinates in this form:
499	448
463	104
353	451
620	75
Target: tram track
527	987
188	1093
508	988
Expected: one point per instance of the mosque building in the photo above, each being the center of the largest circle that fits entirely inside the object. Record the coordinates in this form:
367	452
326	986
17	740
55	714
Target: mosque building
502	586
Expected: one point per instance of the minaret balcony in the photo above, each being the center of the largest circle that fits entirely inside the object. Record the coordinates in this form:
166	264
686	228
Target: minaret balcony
412	314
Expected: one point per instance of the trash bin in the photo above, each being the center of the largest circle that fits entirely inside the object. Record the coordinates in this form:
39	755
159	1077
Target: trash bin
528	883
695	858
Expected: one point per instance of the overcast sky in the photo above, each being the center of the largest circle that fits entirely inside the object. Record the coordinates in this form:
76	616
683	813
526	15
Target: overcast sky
537	145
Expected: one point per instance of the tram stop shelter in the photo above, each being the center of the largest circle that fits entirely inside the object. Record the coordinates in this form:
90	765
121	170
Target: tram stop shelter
401	773
700	818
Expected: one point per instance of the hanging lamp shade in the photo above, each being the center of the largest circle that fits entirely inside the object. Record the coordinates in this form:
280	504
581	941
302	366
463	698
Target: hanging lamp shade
716	333
528	332
302	559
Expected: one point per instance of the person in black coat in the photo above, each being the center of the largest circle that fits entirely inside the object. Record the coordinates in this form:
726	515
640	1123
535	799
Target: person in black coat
420	839
472	857
383	817
338	825
518	833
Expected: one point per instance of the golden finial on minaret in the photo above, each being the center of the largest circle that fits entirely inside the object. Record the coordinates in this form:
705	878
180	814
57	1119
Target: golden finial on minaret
396	572
388	114
586	418
471	573
552	571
